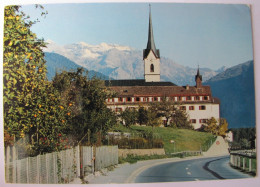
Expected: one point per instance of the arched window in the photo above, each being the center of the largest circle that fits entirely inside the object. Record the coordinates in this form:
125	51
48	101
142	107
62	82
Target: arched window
152	68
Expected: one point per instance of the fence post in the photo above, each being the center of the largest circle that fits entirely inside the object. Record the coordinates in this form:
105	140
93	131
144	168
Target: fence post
78	160
81	162
7	166
94	159
250	164
27	170
55	174
244	163
38	169
14	164
47	168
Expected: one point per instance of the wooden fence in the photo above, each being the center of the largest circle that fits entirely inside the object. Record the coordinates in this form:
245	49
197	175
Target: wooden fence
58	167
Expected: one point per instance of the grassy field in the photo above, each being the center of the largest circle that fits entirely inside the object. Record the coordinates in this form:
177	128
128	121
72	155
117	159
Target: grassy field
184	140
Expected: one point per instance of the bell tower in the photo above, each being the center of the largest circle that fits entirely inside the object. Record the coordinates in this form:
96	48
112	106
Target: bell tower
198	79
151	56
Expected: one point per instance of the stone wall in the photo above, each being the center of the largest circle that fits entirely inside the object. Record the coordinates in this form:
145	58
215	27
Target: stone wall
140	152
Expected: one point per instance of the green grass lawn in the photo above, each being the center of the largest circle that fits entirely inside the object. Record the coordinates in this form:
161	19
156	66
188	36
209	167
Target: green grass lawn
185	140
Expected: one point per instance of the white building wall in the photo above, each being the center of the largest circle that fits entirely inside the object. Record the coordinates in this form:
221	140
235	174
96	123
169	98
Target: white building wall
212	110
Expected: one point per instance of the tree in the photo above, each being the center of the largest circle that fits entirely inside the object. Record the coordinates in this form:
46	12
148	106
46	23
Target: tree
164	109
129	116
142	115
31	105
87	99
211	126
180	120
222	128
153	119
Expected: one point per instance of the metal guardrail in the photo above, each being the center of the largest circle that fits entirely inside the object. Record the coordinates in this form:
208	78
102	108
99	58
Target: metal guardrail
244	160
186	153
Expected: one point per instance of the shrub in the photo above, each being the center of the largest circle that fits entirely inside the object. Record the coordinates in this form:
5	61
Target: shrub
136	143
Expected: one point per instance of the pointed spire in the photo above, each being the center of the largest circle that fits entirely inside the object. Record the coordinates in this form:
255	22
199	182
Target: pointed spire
198	71
150	43
198	78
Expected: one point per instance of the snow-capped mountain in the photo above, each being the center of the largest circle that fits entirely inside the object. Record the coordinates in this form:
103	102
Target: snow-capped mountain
124	62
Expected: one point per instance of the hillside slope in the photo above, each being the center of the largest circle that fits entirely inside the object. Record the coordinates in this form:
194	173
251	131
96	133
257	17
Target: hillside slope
235	89
56	62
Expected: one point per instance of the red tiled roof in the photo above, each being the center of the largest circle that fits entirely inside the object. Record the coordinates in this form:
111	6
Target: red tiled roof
161	91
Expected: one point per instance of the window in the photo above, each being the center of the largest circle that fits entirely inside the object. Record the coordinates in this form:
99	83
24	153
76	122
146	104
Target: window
182	107
155	99
191	107
193	120
202	107
188	98
203	120
128	99
137	99
118	109
152	68
197	98
111	100
180	98
205	98
120	99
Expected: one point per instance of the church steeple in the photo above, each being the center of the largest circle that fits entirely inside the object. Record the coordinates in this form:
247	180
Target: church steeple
151	56
198	78
150	43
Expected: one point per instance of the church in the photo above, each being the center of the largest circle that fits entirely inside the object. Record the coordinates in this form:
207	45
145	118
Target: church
196	101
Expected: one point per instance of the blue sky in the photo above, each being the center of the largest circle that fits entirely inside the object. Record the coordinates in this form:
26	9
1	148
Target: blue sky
211	35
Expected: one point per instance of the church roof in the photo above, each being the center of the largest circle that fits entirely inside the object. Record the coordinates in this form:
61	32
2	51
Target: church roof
136	82
161	91
150	43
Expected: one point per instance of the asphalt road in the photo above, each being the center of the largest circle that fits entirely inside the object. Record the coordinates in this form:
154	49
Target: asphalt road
191	170
169	170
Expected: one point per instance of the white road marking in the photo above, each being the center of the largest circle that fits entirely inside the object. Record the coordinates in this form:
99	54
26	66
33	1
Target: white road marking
196	179
189	173
187	168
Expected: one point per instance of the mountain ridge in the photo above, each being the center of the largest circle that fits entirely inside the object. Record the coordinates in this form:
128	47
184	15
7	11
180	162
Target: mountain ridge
234	86
56	63
236	91
124	62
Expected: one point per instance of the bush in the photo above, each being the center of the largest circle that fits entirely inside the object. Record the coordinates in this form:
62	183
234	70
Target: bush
136	143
